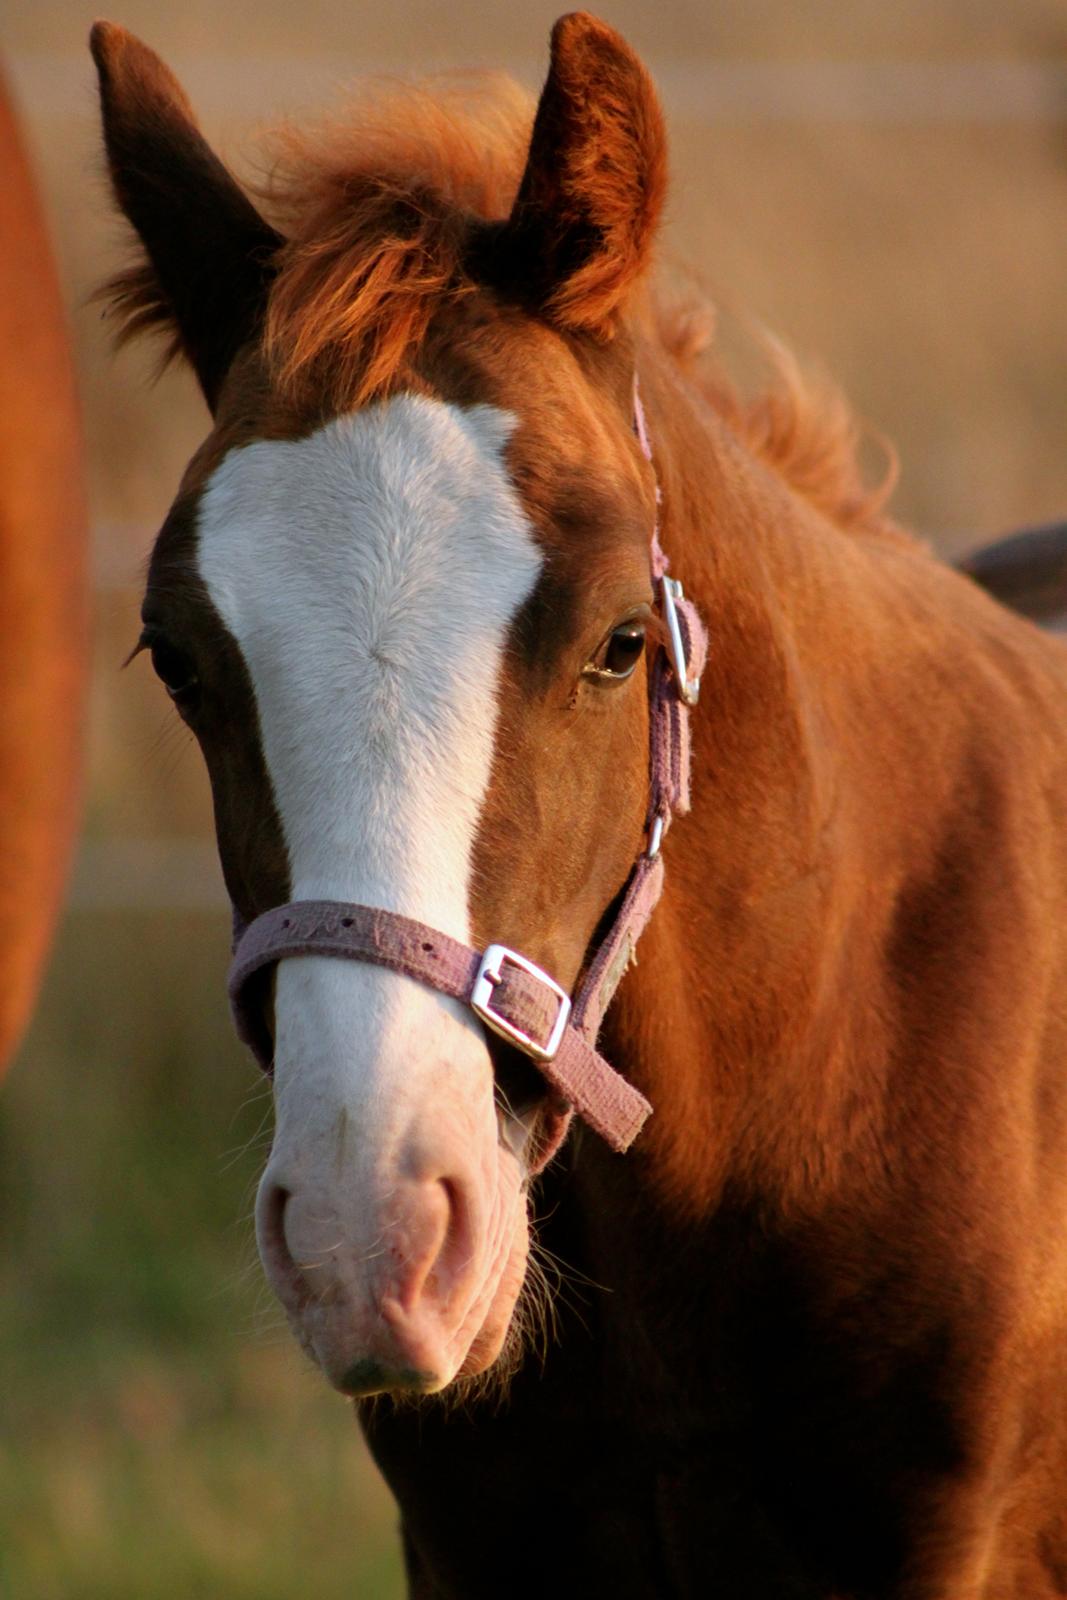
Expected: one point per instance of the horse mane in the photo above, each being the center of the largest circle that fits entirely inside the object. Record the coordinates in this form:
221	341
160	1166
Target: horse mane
376	208
800	423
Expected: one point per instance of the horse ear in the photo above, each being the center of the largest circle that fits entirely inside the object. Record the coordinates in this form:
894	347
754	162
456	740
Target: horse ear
584	222
208	251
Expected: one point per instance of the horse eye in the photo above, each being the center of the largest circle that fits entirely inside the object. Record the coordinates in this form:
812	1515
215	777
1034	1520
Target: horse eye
176	673
619	654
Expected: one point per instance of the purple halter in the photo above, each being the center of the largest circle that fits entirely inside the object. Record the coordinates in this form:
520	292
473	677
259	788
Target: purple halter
510	994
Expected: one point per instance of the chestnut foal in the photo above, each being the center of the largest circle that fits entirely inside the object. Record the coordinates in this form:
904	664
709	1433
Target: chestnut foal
410	600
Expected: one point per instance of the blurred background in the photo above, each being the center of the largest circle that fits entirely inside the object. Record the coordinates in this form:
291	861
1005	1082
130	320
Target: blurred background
885	187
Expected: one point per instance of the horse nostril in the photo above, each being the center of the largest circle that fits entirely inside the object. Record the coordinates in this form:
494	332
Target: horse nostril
429	1248
288	1280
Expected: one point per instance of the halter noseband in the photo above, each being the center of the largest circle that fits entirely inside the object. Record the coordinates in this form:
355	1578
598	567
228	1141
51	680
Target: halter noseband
509	993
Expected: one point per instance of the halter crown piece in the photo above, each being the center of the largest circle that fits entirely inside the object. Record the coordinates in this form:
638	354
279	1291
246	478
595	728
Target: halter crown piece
511	995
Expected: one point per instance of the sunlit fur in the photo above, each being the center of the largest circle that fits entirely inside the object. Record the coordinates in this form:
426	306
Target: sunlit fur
375	204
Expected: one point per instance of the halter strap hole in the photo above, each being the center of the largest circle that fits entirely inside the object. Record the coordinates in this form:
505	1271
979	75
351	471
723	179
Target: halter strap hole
346	922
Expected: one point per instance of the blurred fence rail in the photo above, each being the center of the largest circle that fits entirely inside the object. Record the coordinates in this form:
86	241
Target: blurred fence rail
713	91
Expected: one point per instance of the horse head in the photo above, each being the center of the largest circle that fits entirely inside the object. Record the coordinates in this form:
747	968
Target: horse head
402	600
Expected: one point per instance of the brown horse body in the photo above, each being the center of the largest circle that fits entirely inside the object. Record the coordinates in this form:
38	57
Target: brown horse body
43	544
816	1347
830	1359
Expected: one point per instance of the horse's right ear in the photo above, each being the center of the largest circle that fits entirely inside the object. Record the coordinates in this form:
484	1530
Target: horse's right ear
208	251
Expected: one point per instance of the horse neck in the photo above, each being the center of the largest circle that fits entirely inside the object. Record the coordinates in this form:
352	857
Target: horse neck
752	1019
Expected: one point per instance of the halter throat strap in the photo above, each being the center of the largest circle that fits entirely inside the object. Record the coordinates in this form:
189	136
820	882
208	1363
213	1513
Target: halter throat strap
511	995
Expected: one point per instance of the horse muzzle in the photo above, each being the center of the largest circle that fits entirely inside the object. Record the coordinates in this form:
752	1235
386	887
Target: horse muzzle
391	1217
373	1314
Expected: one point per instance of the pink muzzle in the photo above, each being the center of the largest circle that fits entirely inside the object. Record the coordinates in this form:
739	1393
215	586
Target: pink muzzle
510	995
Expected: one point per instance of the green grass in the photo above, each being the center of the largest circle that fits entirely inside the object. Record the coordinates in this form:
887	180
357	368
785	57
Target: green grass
160	1434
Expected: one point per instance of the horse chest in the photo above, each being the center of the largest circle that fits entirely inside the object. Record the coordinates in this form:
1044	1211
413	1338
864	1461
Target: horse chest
732	1440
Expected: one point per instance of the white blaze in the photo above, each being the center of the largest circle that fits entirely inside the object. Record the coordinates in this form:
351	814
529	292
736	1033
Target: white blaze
369	574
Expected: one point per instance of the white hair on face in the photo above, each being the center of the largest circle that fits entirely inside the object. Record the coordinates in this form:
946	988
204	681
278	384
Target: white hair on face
368	574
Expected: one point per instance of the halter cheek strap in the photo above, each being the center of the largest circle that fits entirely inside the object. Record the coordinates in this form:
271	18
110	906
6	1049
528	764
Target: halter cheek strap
511	995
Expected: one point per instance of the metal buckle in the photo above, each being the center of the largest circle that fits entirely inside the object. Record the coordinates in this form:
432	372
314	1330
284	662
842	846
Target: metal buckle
489	975
688	688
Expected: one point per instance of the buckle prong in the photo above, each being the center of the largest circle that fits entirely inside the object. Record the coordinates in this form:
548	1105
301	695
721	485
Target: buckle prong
688	688
490	972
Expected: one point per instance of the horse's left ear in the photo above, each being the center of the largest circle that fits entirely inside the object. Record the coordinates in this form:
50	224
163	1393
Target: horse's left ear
583	225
